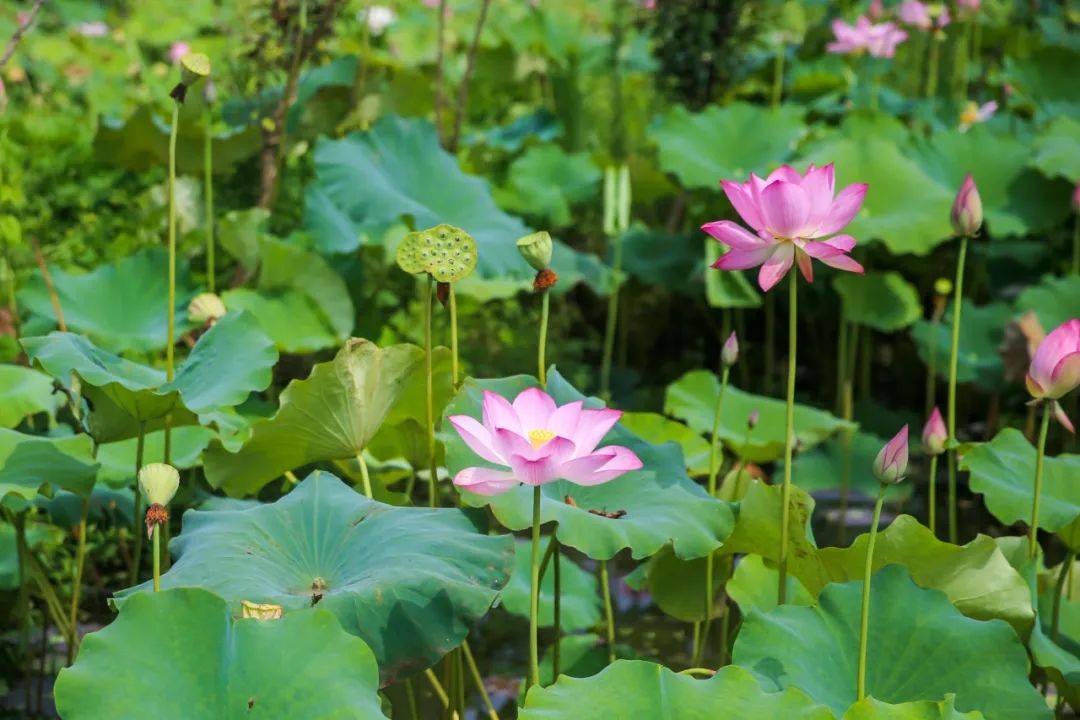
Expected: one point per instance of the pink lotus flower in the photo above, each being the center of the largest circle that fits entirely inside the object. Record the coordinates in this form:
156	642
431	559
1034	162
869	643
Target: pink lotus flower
864	36
540	443
967	212
792	215
914	13
974	113
1055	368
178	50
935	434
891	463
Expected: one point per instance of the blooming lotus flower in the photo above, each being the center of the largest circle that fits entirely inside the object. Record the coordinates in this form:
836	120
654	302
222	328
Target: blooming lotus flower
1055	367
891	463
974	113
864	36
792	214
967	213
935	434
538	443
178	50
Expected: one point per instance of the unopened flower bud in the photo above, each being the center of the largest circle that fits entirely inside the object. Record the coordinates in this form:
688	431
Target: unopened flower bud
536	249
967	211
935	434
891	463
730	353
205	308
158	483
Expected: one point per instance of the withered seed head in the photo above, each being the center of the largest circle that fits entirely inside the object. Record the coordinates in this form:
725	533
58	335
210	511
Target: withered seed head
545	279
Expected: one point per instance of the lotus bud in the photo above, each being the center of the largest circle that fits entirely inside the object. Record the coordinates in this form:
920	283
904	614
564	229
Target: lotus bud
752	419
891	463
967	211
205	308
730	353
536	249
1055	367
935	434
193	67
158	483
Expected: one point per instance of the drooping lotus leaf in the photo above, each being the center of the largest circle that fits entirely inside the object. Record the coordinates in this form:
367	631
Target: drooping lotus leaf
1057	149
657	429
640	689
118	458
366	183
678	586
31	464
25	392
662	505
753	586
331	415
231	360
728	142
981	331
976	577
445	252
180	655
920	648
580	598
406	580
873	709
1054	300
1003	471
692	398
882	301
121	306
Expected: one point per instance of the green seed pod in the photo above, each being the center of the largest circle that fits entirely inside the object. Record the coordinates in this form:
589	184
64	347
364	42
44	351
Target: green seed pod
445	252
194	67
204	308
943	286
158	483
536	249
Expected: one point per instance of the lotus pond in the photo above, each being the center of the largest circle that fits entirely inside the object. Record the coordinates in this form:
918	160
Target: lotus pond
539	359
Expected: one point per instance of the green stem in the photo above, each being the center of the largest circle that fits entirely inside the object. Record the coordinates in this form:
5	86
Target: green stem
1040	454
437	687
789	435
932	66
172	242
864	621
157	558
136	563
931	375
557	612
541	351
478	680
453	336
612	319
365	478
534	592
208	189
410	693
609	615
433	478
778	76
725	623
1059	589
19	521
1076	245
954	358
76	582
714	469
932	493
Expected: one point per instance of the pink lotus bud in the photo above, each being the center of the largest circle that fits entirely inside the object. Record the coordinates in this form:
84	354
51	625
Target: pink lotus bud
891	463
935	434
967	213
730	354
178	50
752	419
1055	368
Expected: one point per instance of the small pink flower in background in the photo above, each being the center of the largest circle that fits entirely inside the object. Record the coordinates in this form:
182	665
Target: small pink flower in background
876	10
538	443
878	40
914	13
974	113
1055	367
891	463
935	434
178	50
92	29
967	211
792	214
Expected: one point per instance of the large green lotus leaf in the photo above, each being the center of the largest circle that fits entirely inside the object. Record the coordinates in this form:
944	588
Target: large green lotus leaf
118	458
920	648
976	577
729	142
122	306
657	429
662	504
692	398
1045	80
753	586
25	392
284	265
873	709
981	331
882	301
1057	149
546	181
229	361
639	689
580	604
1054	300
331	415
1003	472
407	580
367	182
31	464
289	317
678	586
822	468
178	655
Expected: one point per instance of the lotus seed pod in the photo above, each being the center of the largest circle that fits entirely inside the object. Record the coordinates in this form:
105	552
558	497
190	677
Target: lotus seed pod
204	308
158	483
193	67
943	286
536	249
445	252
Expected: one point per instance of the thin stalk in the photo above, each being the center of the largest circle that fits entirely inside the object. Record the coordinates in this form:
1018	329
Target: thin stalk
725	624
557	612
19	521
932	492
1076	245
931	373
76	582
864	621
954	356
1059	589
172	241
437	687
612	318
440	72
140	446
410	693
541	350
789	435
534	592
1040	454
364	477
50	287
478	680
453	336
433	479
714	469
208	190
778	76
157	558
609	616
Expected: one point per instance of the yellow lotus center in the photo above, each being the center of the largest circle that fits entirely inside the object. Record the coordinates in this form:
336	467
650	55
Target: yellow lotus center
970	115
539	437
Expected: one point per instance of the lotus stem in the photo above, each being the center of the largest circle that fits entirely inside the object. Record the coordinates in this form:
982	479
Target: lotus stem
789	436
364	477
140	446
534	592
932	493
714	469
478	680
541	351
933	53
157	558
437	687
557	612
612	320
208	189
1059	590
433	479
1076	245
616	222
864	620
609	616
172	241
778	75
76	582
410	693
19	521
954	356
1040	454
453	336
